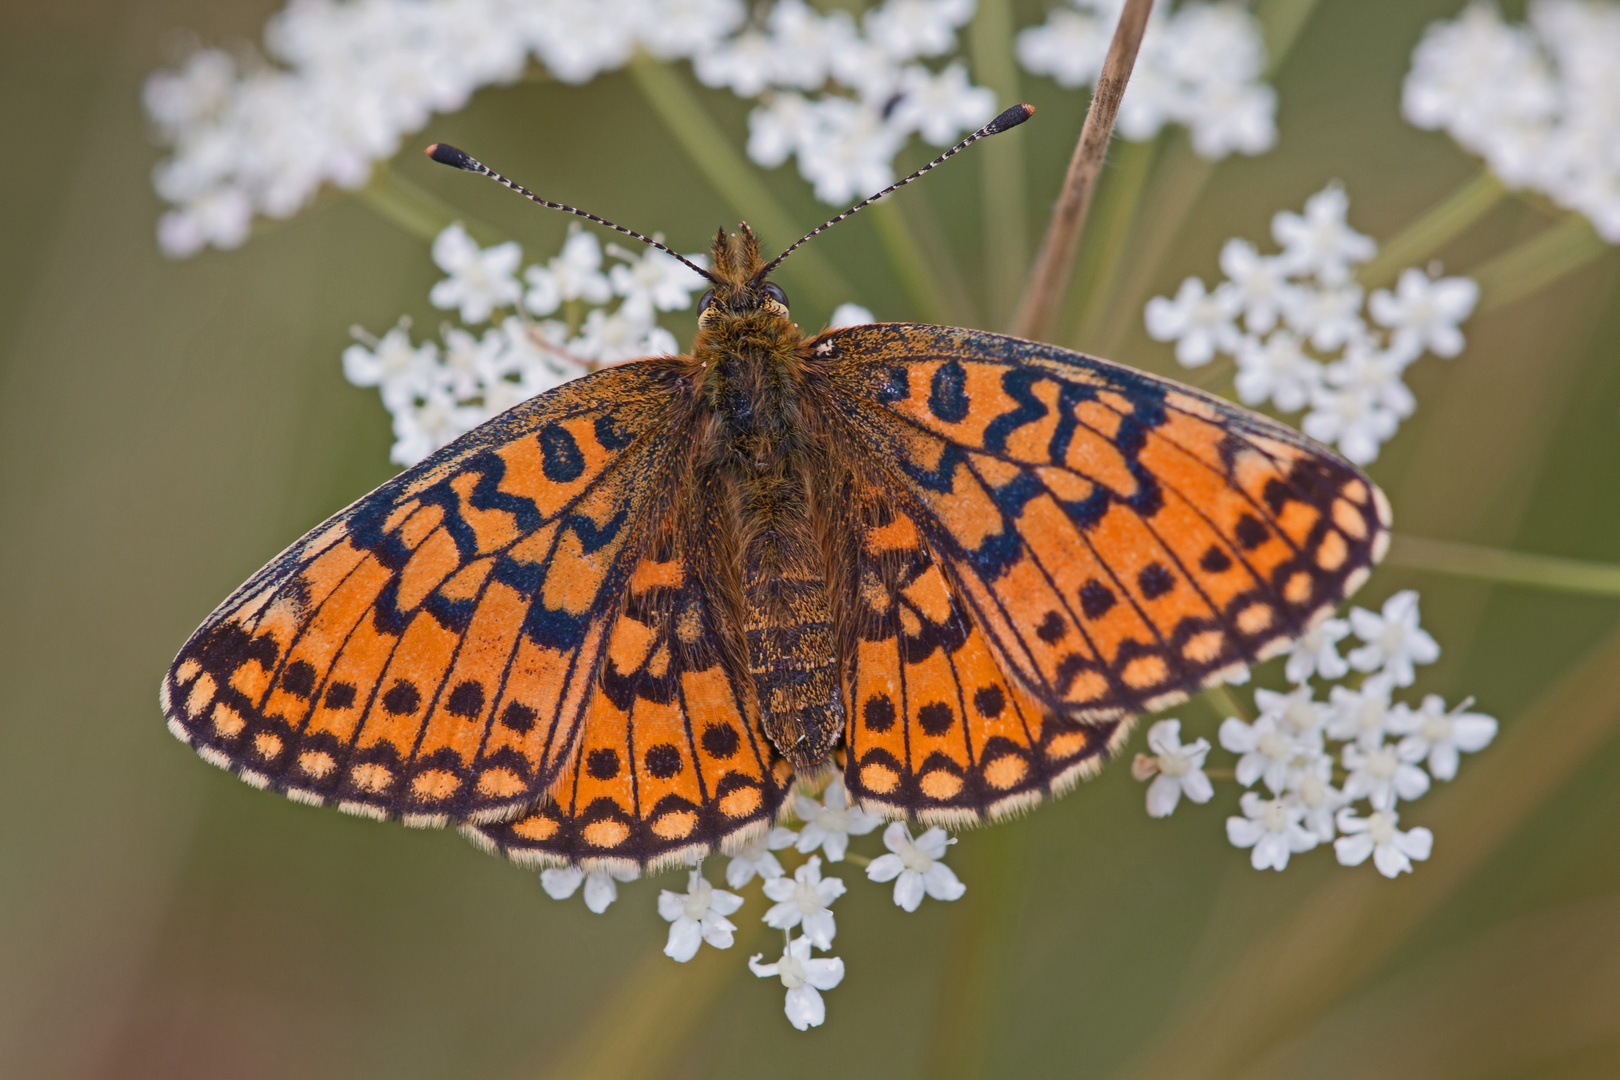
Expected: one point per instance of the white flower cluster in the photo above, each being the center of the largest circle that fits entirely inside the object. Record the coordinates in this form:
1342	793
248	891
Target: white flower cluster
1539	101
341	82
1199	66
843	97
1307	788
437	392
802	902
1295	326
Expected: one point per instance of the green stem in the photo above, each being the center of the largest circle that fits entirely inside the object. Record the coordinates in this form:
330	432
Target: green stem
1317	952
1225	702
913	268
416	210
641	1027
1537	262
1006	212
1179	180
1280	24
1119	200
923	224
735	179
970	1018
1506	567
1417	243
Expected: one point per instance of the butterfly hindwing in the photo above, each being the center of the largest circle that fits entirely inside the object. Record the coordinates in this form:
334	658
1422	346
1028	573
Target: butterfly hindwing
1121	540
428	652
937	731
672	759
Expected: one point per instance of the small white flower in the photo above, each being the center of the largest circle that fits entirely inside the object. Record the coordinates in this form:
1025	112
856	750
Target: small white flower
1319	798
1361	715
653	280
1262	282
803	977
805	899
755	858
613	337
908	28
1268	749
1536	100
1434	735
690	28
1200	322
1317	653
1180	769
399	369
915	867
1296	713
481	279
849	314
1321	241
1392	851
430	419
1277	369
1375	372
747	64
1199	66
1351	418
697	915
941	107
779	127
1383	775
1070	47
600	885
573	274
830	823
1330	317
1424	313
577	41
1394	640
849	149
1273	828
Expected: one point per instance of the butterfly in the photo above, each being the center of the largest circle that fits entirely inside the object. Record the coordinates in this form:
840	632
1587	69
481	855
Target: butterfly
618	624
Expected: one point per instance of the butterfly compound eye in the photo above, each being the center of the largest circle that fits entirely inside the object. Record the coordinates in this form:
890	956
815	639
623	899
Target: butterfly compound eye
705	301
774	291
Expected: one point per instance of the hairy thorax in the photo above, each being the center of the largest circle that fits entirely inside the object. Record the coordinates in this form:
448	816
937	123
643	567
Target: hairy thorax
757	471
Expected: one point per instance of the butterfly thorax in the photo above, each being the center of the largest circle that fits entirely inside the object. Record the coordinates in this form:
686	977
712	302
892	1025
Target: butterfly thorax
758	457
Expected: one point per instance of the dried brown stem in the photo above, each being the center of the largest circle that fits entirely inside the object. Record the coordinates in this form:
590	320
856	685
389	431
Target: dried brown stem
1049	278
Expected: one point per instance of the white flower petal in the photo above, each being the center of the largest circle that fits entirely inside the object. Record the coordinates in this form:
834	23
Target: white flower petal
684	938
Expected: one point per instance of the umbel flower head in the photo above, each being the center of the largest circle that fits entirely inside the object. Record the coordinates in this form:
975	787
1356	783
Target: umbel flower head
1303	335
1305	791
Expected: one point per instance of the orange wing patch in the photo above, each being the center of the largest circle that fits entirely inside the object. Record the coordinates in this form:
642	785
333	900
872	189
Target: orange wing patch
673	759
429	652
937	731
1120	540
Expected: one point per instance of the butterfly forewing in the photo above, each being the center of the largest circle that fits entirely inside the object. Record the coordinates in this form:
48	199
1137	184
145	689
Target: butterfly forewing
429	652
1119	539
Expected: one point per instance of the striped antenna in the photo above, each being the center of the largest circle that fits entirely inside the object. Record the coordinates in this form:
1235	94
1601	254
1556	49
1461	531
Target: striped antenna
1009	119
446	154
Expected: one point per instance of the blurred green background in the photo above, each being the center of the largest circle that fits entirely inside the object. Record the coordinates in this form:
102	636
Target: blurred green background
168	427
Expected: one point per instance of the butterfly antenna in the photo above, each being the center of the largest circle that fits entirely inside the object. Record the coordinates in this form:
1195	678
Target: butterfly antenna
1009	119
446	154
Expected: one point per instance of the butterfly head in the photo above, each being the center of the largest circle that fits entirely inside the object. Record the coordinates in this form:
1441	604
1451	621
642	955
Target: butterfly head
740	290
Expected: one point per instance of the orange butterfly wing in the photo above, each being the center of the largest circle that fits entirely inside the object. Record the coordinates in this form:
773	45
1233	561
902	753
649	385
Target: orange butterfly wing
1120	540
430	652
936	729
672	759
